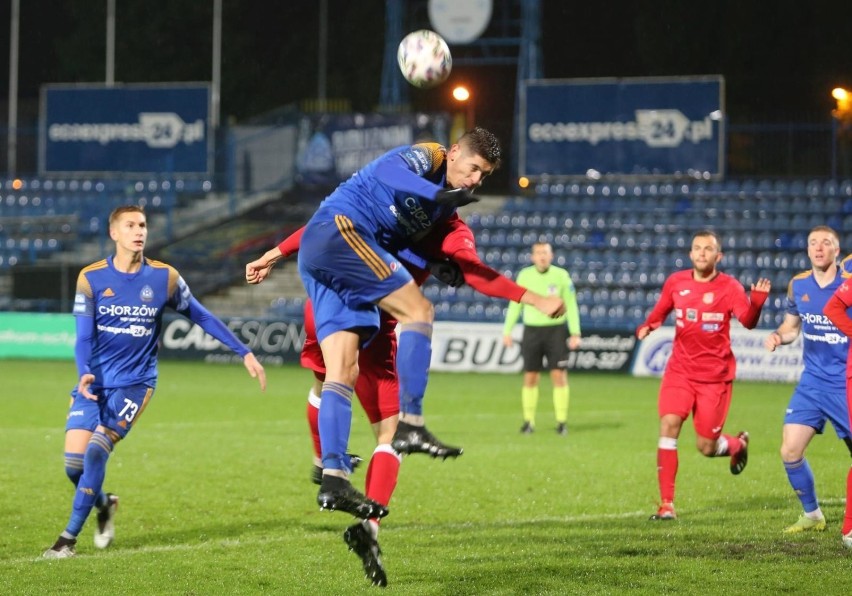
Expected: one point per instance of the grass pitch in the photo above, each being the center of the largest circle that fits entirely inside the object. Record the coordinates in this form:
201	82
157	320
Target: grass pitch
216	496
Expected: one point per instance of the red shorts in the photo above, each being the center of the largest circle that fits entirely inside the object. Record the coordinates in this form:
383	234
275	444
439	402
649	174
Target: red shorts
377	386
708	403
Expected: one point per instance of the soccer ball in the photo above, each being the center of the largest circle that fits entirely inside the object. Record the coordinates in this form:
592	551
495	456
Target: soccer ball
424	59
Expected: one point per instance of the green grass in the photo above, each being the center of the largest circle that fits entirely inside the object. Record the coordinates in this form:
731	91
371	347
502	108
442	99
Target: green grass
216	496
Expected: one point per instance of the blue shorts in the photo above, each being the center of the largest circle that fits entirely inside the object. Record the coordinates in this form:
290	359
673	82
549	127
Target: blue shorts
116	409
345	272
812	406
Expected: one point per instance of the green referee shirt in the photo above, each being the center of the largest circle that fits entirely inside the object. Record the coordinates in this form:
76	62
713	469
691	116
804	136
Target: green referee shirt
554	282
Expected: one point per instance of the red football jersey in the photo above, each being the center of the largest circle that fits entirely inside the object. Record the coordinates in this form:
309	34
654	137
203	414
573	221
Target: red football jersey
836	311
453	239
703	310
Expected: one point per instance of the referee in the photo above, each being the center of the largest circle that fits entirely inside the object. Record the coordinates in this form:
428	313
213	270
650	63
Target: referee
545	341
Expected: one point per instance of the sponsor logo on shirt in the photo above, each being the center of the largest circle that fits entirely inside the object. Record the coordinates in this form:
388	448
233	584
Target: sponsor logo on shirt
679	313
816	319
118	310
147	294
419	159
710	327
692	314
683	292
134	330
712	316
108	293
806	298
708	298
828	338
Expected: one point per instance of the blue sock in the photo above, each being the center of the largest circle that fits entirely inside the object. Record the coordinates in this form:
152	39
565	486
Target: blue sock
74	470
802	480
335	422
412	365
90	483
73	466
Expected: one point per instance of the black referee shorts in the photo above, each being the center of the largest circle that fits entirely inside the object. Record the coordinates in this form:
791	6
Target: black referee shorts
544	348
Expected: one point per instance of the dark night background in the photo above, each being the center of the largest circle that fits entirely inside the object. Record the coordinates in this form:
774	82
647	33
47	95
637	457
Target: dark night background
780	60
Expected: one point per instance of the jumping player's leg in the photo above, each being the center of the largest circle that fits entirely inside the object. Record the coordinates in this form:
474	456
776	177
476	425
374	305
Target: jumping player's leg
340	353
415	315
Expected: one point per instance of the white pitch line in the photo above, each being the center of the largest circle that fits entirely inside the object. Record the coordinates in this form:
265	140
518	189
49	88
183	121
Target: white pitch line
237	542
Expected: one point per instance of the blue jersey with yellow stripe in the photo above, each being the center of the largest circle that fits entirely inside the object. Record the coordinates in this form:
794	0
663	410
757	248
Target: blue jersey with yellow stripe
127	311
393	196
825	347
347	255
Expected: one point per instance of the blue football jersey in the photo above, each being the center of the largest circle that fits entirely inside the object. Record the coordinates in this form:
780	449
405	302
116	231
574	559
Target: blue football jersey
128	311
392	196
825	347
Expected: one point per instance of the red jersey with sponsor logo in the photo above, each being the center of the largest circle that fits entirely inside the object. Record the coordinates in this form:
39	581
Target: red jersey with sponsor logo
702	344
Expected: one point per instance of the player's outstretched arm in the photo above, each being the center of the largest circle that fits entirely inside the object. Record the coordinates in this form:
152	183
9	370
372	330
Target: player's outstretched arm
259	269
552	306
197	313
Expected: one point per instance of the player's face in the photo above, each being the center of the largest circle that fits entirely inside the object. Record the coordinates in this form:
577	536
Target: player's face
822	249
542	256
130	232
705	255
466	169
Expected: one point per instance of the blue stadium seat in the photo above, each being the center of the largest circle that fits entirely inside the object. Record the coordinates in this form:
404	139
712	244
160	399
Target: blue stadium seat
813	188
797	187
829	188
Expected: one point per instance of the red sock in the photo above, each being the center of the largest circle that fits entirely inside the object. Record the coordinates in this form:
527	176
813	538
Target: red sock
847	517
382	474
734	445
313	422
666	473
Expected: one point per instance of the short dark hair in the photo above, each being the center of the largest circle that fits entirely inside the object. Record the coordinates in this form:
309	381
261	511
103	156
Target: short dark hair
711	233
827	230
119	211
485	144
